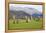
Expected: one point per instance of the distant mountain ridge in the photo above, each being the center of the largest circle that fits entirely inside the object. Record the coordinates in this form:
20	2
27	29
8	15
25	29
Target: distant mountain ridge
19	14
25	9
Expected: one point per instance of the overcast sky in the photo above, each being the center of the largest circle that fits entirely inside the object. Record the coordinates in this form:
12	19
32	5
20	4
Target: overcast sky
38	7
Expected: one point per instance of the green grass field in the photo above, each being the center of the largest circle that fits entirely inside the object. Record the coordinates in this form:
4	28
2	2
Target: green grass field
32	24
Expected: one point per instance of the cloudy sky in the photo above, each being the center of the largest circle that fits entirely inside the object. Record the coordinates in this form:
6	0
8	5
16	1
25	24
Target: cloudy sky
13	6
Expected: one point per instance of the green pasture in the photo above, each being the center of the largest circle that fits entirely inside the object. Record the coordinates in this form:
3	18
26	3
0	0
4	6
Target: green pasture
32	24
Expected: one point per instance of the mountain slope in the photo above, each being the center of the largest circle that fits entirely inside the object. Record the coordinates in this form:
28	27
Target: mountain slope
25	9
19	14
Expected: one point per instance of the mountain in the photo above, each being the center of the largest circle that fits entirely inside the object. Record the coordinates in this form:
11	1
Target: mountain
26	9
19	14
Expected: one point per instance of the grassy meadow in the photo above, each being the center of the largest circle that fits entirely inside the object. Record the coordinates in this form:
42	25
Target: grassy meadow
32	24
